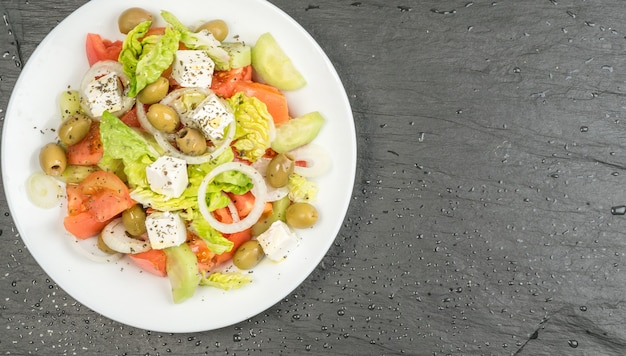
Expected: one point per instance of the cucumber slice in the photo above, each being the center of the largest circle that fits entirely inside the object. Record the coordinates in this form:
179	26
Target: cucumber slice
240	54
297	132
274	66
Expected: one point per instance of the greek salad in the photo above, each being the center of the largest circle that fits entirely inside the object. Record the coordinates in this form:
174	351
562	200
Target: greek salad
178	152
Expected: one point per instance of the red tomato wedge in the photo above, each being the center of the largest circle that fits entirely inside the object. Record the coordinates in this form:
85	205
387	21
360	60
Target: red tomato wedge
89	150
94	202
275	101
83	225
153	261
99	49
130	118
223	83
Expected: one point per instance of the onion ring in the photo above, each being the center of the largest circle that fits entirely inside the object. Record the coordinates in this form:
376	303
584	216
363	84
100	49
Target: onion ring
114	235
259	190
317	158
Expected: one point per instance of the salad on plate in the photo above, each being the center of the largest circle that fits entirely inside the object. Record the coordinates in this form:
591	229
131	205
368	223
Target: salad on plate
177	151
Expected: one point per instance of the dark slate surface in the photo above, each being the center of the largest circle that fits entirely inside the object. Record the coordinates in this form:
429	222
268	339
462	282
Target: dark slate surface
491	150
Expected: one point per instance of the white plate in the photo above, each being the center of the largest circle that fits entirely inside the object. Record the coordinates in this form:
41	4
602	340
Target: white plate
119	290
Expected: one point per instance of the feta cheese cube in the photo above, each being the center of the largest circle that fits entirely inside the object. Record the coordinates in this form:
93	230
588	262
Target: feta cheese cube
165	229
104	93
278	241
212	116
193	68
168	176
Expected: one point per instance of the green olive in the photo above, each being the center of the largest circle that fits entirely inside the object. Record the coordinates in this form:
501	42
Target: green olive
132	17
163	118
52	159
301	215
248	255
279	169
218	28
134	220
74	129
191	141
155	91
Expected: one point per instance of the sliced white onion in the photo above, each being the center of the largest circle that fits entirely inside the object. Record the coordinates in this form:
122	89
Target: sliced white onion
43	190
114	235
317	160
259	190
274	194
99	69
233	212
89	248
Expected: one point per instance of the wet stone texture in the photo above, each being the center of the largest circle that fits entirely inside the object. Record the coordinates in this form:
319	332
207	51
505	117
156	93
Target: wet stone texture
491	153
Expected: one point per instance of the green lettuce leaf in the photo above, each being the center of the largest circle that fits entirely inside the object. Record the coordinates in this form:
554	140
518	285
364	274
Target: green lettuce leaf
145	60
132	49
154	62
226	281
253	126
200	40
214	240
301	189
122	143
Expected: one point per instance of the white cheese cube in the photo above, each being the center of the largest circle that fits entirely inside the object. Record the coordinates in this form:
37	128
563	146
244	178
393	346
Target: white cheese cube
168	176
193	68
212	116
165	229
278	241
104	93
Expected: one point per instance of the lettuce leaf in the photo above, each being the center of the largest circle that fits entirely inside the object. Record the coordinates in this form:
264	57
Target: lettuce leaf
132	49
301	189
122	143
226	281
199	40
253	126
214	240
145	60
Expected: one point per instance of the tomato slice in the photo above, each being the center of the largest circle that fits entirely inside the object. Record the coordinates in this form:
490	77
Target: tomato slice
89	150
130	118
94	202
99	49
83	225
153	261
223	83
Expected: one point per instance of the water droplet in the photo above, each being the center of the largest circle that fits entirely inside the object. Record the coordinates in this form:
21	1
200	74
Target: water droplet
420	138
236	338
443	12
573	343
404	8
571	14
341	312
618	210
584	129
517	70
615	174
608	68
296	317
583	308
